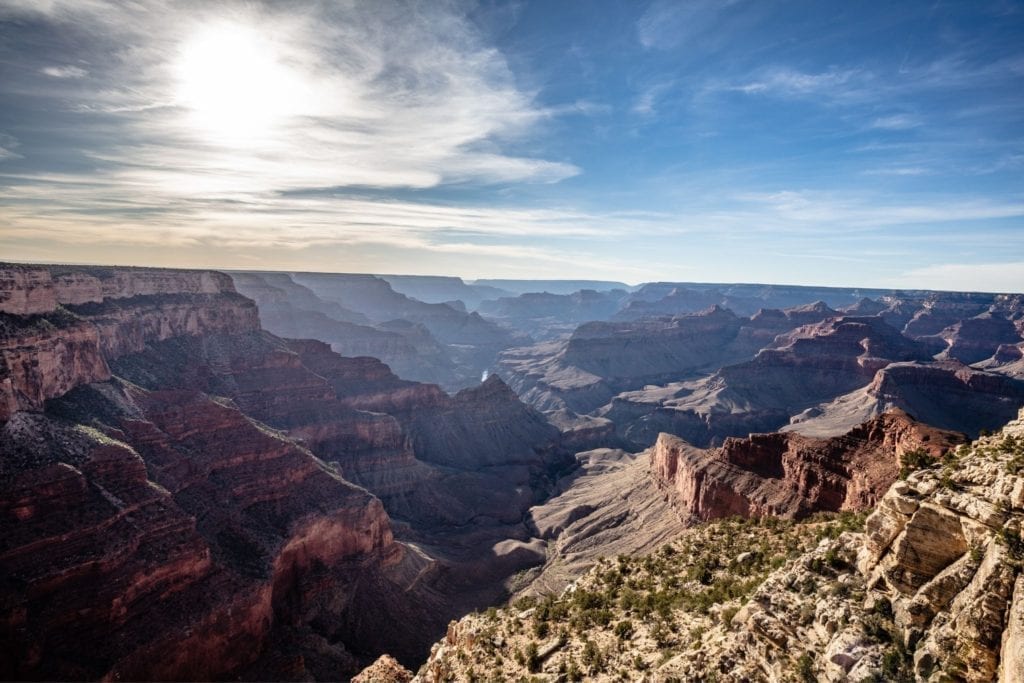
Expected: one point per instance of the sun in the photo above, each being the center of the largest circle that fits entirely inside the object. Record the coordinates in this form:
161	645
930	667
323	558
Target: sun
234	84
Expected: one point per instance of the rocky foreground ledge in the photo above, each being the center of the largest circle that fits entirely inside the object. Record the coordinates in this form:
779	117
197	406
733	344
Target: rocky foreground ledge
928	587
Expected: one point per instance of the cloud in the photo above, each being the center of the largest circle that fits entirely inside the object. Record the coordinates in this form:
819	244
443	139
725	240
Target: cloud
7	145
900	171
781	81
644	105
838	211
667	24
976	277
68	208
387	94
896	122
64	72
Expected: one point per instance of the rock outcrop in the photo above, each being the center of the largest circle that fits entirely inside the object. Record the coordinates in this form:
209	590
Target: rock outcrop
32	289
60	326
290	310
1007	360
785	474
928	588
546	316
433	289
975	339
471	341
933	592
46	357
384	670
602	359
945	394
812	363
780	365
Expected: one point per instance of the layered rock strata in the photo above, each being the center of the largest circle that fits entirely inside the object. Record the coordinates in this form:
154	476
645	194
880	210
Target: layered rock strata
786	474
168	515
928	588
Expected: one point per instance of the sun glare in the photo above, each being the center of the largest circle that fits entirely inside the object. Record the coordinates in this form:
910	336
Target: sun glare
235	85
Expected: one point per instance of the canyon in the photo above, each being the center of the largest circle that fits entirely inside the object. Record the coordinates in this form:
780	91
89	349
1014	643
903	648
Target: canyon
928	587
160	449
290	475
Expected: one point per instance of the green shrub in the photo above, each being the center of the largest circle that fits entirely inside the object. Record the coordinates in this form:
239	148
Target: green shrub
532	657
805	668
916	459
624	629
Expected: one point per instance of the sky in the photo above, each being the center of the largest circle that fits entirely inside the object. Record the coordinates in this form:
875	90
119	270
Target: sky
871	144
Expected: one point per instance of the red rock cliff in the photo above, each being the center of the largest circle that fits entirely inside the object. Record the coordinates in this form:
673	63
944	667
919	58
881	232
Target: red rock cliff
175	545
59	326
789	474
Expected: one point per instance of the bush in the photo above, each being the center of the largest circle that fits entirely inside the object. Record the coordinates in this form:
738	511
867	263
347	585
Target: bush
593	658
624	629
532	657
883	608
916	459
876	627
541	629
805	668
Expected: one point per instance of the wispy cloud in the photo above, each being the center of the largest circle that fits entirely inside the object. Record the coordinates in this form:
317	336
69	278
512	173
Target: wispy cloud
786	82
828	211
376	94
896	122
667	24
900	171
64	72
991	277
7	145
646	101
388	95
400	128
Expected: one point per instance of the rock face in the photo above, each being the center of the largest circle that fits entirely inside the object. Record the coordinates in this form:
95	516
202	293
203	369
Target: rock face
800	368
26	290
37	364
547	316
291	310
384	670
818	361
946	394
30	289
606	507
179	498
975	339
785	474
652	350
927	591
434	289
58	327
640	373
1007	360
602	359
671	298
472	342
928	588
175	541
382	432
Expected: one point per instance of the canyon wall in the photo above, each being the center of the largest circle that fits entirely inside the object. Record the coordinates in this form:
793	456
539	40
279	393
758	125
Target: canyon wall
185	491
786	474
59	326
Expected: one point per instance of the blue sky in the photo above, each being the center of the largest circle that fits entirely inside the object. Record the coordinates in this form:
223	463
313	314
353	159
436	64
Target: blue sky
868	144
